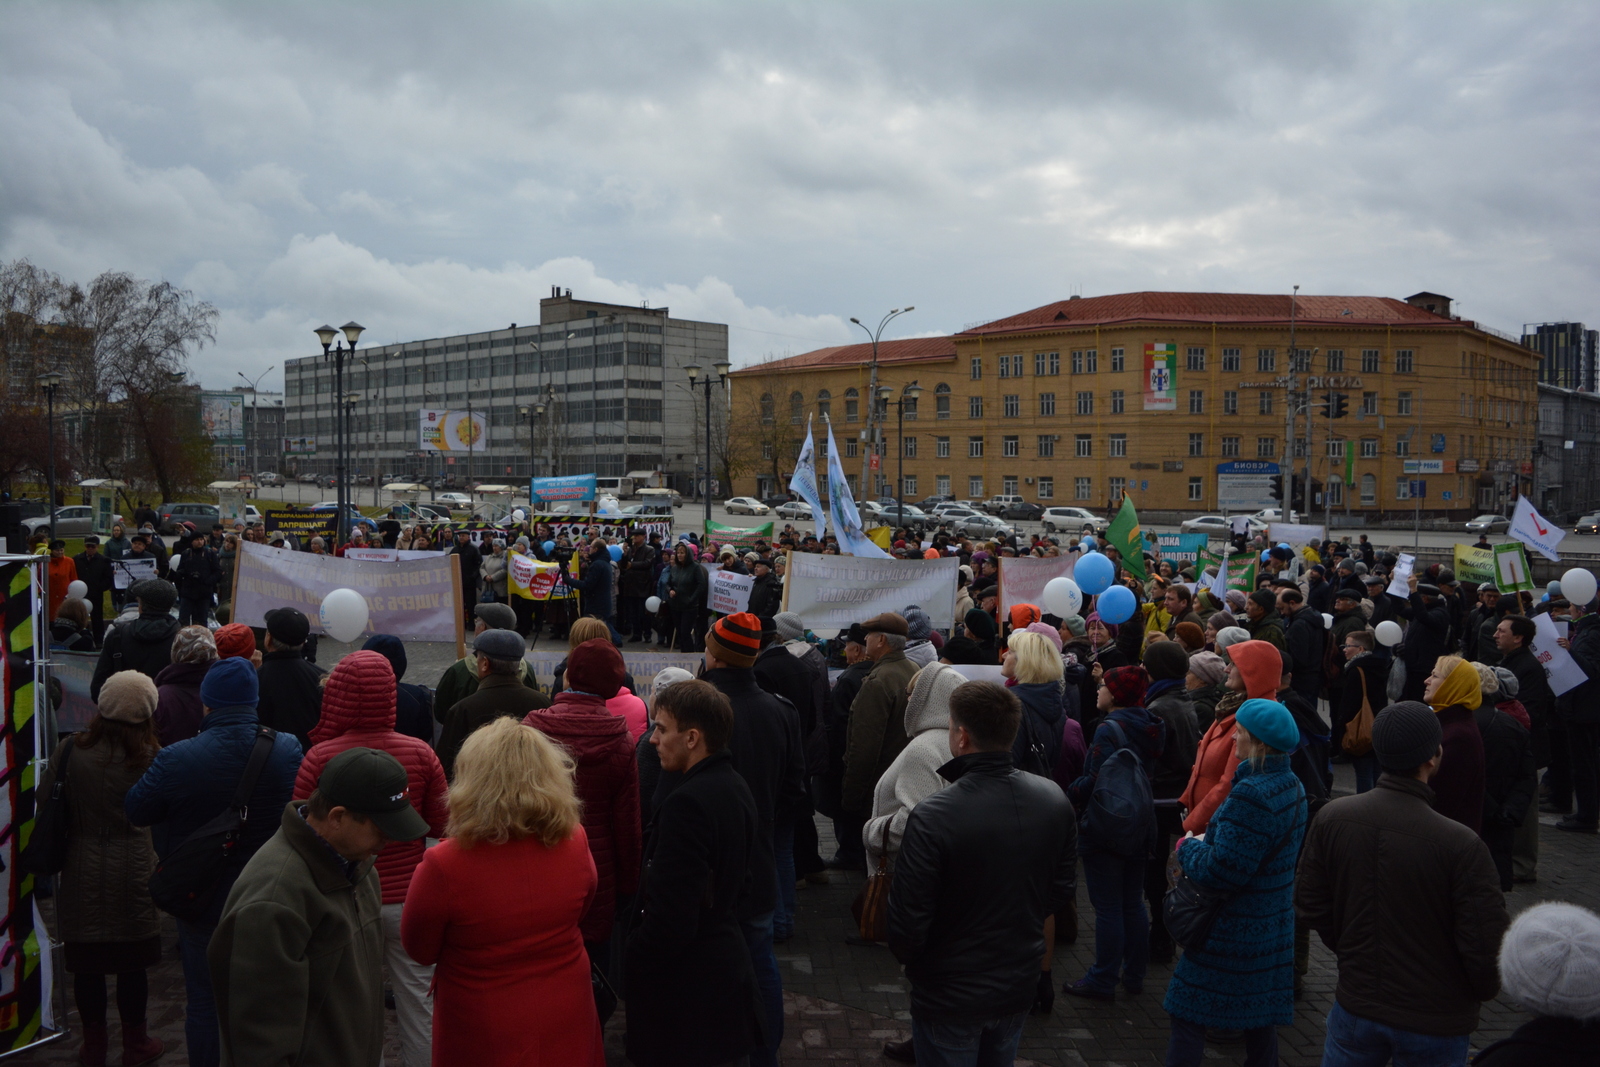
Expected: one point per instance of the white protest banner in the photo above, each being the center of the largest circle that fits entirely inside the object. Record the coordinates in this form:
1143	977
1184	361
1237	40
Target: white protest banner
730	592
417	600
980	672
1023	578
644	666
373	555
1295	534
1559	666
1511	568
1398	584
127	571
834	591
1535	531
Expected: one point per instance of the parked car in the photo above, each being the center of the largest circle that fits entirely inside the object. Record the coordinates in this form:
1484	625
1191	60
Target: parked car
745	505
1218	525
871	508
950	507
309	478
272	478
776	499
1488	524
911	517
795	509
928	503
1268	515
1070	519
658	496
651	510
984	526
418	512
1022	510
453	500
172	516
74	521
998	503
352	513
1587	524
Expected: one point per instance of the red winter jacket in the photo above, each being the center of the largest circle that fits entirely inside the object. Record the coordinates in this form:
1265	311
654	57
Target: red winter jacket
608	785
358	703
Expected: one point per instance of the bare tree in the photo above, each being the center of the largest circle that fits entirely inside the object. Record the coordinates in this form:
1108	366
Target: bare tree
764	432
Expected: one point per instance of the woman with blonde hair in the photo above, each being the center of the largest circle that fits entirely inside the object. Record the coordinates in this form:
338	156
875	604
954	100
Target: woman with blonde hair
587	628
495	908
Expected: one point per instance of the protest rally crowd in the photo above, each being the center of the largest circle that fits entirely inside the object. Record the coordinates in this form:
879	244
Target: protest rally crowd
509	865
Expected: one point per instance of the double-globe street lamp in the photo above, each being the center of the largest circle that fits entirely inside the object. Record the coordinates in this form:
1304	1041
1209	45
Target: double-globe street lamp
693	371
326	334
872	390
909	393
534	413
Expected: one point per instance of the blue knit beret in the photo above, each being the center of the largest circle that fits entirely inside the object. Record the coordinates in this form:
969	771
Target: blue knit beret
1269	722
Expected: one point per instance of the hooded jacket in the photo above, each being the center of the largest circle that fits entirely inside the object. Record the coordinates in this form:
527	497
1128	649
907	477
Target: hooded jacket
1174	707
914	774
413	704
291	694
1043	708
358	711
608	786
143	645
178	707
1215	761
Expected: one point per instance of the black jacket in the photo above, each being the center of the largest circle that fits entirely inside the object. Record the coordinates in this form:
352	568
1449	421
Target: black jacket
1582	704
497	696
691	991
803	682
1175	708
1545	1042
198	573
1306	640
1477	636
1427	637
1508	770
981	865
638	571
1533	689
471	565
841	696
291	694
95	572
766	596
143	645
1374	669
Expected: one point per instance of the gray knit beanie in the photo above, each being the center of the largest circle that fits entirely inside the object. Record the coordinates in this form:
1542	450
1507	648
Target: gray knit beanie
1405	735
1231	635
918	625
1550	961
789	625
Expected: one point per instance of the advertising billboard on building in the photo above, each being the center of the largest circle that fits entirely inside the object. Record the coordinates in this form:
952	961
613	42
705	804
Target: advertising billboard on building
1160	376
452	431
1245	484
222	417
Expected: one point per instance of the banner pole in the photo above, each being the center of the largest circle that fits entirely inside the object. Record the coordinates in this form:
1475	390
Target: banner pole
461	622
788	568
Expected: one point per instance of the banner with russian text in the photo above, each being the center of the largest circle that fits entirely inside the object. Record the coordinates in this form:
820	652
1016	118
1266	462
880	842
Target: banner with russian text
1474	564
566	487
739	538
417	600
533	579
1023	578
831	592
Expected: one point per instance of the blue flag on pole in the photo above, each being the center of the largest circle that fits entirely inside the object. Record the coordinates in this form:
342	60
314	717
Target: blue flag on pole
842	509
804	482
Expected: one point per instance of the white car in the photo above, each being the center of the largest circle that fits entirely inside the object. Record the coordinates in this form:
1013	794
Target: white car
745	505
795	509
1072	520
1221	525
1267	515
453	500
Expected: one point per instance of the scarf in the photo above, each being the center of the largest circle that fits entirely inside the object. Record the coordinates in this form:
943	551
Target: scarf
1460	686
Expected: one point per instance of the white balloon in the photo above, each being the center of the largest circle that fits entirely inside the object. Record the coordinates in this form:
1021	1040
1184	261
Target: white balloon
1578	586
1062	597
519	515
652	604
1327	621
343	614
77	589
1389	633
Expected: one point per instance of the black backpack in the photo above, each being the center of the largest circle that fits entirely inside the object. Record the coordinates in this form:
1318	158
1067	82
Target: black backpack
185	883
1121	815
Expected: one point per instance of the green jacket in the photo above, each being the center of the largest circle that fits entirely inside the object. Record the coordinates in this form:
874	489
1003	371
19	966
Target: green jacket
1269	628
877	730
460	680
297	959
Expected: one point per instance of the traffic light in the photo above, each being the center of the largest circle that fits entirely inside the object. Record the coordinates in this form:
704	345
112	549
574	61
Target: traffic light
1338	405
1277	487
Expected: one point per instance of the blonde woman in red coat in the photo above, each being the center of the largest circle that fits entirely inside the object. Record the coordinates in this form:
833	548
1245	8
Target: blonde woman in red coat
358	708
496	906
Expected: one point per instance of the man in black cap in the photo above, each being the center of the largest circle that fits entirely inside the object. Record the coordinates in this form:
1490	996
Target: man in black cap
498	663
460	679
143	644
471	568
198	573
1477	633
297	959
877	715
1416	959
1262	619
94	570
291	685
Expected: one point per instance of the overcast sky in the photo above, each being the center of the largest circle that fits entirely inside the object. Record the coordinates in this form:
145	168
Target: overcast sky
430	169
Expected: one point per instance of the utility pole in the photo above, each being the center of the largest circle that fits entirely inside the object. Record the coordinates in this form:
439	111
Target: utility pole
1287	471
872	395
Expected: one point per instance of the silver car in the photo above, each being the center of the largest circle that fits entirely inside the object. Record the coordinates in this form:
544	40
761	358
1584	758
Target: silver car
984	526
795	509
745	505
74	521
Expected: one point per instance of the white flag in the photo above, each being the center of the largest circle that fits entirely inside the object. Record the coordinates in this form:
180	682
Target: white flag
842	509
1535	531
804	482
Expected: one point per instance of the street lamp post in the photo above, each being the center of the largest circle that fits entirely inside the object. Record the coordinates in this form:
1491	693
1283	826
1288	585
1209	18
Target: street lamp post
252	452
534	413
910	392
872	388
326	334
50	381
693	371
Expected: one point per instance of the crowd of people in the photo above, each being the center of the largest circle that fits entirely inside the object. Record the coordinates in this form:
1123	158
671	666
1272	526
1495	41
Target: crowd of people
514	862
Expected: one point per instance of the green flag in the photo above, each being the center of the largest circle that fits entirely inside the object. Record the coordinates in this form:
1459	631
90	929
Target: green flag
1124	536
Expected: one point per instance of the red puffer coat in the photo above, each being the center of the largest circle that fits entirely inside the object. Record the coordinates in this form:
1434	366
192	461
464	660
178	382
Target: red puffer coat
358	704
608	785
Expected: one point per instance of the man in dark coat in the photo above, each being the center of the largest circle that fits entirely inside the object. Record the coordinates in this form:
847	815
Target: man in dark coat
692	994
145	643
1477	632
471	562
291	685
877	716
500	692
982	864
766	592
637	584
198	573
1512	636
1261	619
1579	711
595	587
1427	635
1305	641
852	854
94	570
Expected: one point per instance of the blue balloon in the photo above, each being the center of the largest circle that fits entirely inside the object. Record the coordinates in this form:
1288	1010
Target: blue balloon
1266	555
1088	541
616	553
1116	604
1094	574
549	546
1283	545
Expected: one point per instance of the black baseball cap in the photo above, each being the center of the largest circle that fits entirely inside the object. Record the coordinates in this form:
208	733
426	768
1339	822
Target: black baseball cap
371	782
288	625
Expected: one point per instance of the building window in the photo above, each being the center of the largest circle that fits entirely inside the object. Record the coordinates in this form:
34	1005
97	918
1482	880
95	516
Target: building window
1119	445
766	450
1118	361
977	367
975	486
1335	491
824	404
1046	444
1300	446
1300	361
908	446
1197	402
908	485
941	447
1011	366
1369	448
1266	359
850	448
1335	361
1085	403
1197	444
1230	401
797	407
1266	447
1046	363
1083	488
1230	359
1077	363
1230	448
1196	489
1117	402
1118	488
1369	403
1265	402
768	407
1008	485
974	448
1005	366
941	484
1083	446
908	404
1405	361
1009	447
1195	359
1091	361
1047	488
1013	405
1402	488
1402	446
1369	490
1402	403
1335	449
852	405
974	407
941	401
1371	358
1047	403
